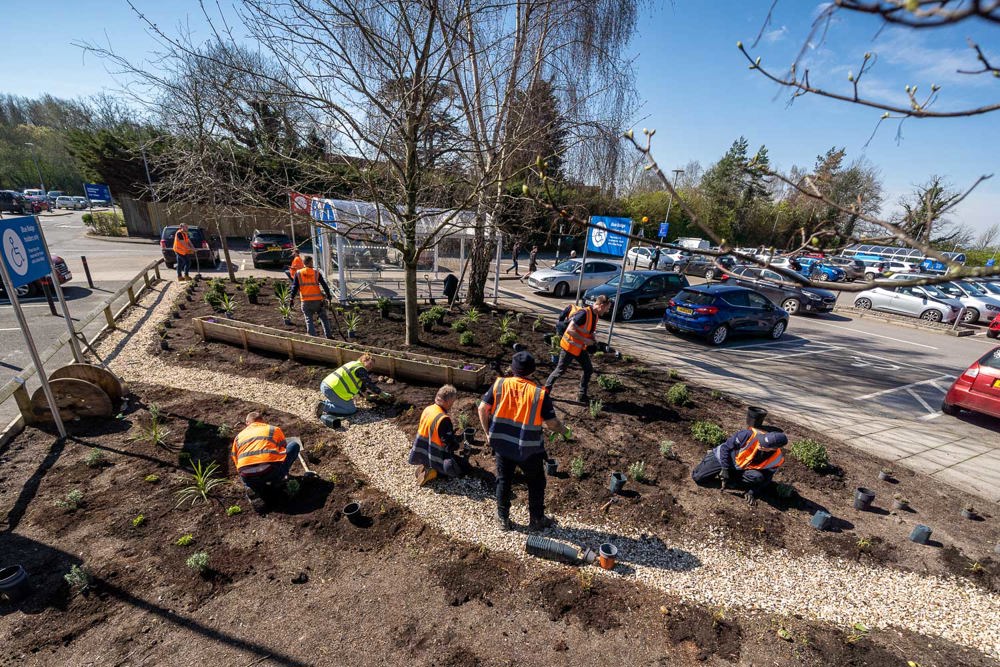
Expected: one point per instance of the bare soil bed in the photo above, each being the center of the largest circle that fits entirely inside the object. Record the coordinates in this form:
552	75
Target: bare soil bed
302	586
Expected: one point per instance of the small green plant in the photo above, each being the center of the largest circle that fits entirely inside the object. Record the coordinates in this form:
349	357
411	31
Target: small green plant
285	310
152	479
217	285
467	338
784	634
586	579
292	487
352	320
251	289
673	374
595	407
716	394
576	467
667	449
863	544
539	321
707	433
463	421
811	453
233	510
72	501
506	324
598	354
95	459
555	346
460	326
138	521
975	567
283	293
214	300
203	482
637	471
227	304
154	433
185	540
198	561
678	395
382	303
858	632
225	431
77	578
507	339
610	382
472	315
155	413
428	318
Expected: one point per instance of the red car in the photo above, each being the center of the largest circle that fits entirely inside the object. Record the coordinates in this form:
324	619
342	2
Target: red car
38	204
994	330
977	389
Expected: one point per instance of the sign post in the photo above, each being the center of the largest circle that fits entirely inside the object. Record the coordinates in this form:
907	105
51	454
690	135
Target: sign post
324	211
74	344
25	260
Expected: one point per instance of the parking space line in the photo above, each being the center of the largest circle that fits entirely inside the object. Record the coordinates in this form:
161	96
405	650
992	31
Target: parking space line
933	415
919	399
778	355
866	333
905	386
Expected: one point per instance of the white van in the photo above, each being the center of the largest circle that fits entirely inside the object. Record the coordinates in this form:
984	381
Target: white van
693	243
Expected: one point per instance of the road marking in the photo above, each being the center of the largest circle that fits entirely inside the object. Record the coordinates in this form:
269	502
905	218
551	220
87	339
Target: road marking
933	415
919	399
905	386
12	329
865	333
796	354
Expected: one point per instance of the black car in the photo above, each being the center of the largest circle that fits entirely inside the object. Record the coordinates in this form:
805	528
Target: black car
270	246
207	253
13	202
704	266
793	299
641	290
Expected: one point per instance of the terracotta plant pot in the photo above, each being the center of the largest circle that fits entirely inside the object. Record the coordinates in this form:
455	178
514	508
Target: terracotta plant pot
607	555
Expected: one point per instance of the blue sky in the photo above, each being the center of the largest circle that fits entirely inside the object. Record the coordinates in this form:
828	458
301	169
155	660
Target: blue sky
695	87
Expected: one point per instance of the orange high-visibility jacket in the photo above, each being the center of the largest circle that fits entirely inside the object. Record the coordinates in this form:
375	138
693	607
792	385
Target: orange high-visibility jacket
745	457
428	443
258	443
309	289
516	423
575	343
182	243
296	264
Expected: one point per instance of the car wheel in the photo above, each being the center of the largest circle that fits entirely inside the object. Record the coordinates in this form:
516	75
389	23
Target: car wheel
863	304
627	312
790	306
992	334
24	291
256	264
778	330
971	316
816	275
561	290
709	274
719	335
869	276
949	409
931	315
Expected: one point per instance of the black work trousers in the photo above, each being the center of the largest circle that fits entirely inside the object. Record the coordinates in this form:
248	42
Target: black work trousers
708	470
565	359
534	473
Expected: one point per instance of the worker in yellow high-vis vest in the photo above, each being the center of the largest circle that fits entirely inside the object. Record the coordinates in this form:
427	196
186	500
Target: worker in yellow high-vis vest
342	386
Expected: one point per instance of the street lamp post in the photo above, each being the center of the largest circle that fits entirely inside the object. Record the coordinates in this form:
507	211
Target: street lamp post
34	156
670	202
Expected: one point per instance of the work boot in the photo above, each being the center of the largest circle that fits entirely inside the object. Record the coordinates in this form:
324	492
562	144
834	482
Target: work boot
582	397
503	522
540	524
318	409
425	475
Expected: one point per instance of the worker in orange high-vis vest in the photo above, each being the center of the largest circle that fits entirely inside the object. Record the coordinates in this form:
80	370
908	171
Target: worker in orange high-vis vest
748	458
262	458
436	445
579	335
183	252
296	264
311	287
512	414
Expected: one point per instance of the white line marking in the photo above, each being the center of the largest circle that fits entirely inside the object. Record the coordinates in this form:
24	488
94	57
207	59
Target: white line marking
905	386
865	333
13	329
779	342
920	400
938	387
933	415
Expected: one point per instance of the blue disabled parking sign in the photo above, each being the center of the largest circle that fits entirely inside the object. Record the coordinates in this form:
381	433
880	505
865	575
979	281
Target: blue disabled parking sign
24	251
602	237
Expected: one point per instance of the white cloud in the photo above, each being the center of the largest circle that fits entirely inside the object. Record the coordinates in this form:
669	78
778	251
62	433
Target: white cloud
776	35
913	51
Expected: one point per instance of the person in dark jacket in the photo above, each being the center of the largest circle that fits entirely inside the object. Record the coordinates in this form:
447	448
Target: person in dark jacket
436	444
514	252
532	262
749	458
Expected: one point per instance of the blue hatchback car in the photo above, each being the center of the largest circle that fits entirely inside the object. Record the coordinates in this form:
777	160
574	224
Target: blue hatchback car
717	311
817	270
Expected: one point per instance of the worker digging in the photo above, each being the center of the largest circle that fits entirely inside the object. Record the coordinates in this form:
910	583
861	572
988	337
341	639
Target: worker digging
435	447
343	385
263	459
577	342
748	458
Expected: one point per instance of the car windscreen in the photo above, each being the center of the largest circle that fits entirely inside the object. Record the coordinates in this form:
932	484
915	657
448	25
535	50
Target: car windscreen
992	288
932	290
631	281
567	267
972	289
277	239
950	290
696	298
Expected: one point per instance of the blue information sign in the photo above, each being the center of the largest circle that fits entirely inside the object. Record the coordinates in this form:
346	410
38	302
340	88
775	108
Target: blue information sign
24	252
324	211
664	228
97	191
990	262
603	237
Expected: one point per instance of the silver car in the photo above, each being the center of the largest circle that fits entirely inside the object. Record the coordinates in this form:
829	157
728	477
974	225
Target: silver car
980	304
564	277
924	301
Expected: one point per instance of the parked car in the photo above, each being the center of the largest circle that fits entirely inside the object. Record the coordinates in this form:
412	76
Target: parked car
923	301
994	329
561	279
70	203
854	269
718	310
817	269
32	192
270	246
640	258
977	389
82	203
13	202
206	254
641	290
35	288
704	265
793	299
38	204
979	305
52	196
873	268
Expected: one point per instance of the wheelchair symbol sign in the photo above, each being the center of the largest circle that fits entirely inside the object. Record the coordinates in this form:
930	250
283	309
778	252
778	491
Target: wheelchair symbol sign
13	249
23	250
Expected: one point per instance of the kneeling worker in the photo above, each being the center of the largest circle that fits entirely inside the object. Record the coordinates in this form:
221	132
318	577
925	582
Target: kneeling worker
436	443
750	456
512	413
262	457
340	387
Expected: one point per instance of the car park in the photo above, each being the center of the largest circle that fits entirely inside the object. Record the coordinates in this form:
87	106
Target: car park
854	269
717	311
68	202
923	301
35	288
706	266
793	299
13	202
272	247
207	254
977	389
640	290
563	278
979	305
817	269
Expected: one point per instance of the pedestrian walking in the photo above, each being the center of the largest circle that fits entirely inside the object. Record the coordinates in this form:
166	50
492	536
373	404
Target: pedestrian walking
579	336
514	252
656	259
532	262
311	286
183	252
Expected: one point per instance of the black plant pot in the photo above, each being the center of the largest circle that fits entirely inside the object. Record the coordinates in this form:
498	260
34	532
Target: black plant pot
164	345
617	483
383	314
470	435
353	513
428	327
288	321
551	467
554	358
167	324
14	584
863	498
252	298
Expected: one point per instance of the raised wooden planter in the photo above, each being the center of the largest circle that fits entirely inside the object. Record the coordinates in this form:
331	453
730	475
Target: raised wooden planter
402	365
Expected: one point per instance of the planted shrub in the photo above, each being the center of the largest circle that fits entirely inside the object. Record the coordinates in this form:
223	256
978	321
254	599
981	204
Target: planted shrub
428	318
285	310
152	479
352	320
707	433
637	471
77	578
203	481
678	394
198	561
282	292
595	407
185	540
472	315
460	326
673	374
716	394
508	339
539	321
784	491
252	290
154	433
72	501
467	338
292	487
95	459
225	431
667	449
811	453
576	467
138	521
610	382
233	510
227	304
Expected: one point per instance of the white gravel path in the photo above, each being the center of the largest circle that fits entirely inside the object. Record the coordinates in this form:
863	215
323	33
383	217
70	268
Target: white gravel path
820	588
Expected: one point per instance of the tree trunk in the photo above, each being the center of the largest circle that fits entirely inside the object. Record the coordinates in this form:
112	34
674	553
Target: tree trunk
479	258
411	308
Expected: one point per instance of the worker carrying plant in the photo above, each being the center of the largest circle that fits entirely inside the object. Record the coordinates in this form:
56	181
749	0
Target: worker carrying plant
262	458
342	386
512	413
311	286
576	342
750	457
436	445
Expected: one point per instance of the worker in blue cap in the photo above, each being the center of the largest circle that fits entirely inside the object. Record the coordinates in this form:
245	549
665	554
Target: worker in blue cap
748	458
